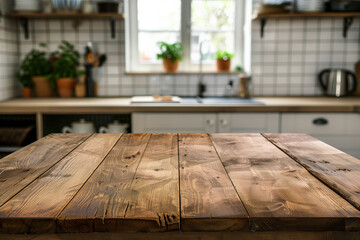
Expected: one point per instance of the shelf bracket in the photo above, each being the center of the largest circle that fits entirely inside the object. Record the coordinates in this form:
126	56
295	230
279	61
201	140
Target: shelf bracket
348	21
263	21
25	24
113	27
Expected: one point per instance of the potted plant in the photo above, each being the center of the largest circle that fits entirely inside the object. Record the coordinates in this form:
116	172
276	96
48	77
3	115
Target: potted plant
65	71
171	54
223	61
27	85
37	66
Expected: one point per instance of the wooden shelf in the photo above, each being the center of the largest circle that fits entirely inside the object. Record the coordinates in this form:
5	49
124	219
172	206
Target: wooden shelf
347	16
64	15
25	16
308	15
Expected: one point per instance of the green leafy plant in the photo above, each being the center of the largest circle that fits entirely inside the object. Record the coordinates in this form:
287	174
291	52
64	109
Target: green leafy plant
170	51
67	60
238	68
36	63
25	80
224	55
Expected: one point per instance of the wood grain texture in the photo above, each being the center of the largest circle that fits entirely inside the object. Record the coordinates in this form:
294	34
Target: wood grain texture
192	236
208	198
152	202
336	169
35	208
107	187
22	167
278	193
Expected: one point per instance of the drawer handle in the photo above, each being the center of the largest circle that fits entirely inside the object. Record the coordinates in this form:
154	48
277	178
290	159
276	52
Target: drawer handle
320	121
210	122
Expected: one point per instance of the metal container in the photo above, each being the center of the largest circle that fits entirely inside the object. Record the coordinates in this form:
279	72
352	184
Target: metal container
337	82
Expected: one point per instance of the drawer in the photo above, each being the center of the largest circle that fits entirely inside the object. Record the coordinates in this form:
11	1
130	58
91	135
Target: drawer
248	122
341	142
173	122
321	124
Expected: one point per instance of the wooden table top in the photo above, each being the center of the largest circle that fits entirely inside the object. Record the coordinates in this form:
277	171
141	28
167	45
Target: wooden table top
170	182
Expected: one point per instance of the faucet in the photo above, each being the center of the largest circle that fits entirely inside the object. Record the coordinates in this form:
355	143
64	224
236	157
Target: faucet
201	85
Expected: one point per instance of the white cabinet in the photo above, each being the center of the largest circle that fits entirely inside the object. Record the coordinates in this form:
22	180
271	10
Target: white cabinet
174	122
341	130
207	122
248	122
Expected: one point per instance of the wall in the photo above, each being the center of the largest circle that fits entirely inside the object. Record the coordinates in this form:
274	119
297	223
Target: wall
8	59
291	54
284	63
114	81
287	60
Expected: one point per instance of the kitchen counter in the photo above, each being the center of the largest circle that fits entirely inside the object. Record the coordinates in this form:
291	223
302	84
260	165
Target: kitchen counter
123	105
247	184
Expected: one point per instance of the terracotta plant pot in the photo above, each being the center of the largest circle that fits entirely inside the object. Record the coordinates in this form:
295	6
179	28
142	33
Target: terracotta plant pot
42	87
65	87
26	92
170	66
223	65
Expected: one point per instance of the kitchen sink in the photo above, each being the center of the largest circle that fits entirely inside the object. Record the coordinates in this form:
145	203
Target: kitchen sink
221	100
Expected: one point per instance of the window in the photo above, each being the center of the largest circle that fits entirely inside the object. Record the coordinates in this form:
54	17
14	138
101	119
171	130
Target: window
213	24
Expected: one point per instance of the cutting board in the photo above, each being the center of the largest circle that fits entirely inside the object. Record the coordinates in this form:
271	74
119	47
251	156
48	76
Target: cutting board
357	73
157	99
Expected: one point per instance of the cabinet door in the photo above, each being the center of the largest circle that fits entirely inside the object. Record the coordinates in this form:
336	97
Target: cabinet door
340	130
173	123
248	122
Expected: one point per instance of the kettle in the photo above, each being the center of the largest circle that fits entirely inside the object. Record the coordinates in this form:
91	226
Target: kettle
336	82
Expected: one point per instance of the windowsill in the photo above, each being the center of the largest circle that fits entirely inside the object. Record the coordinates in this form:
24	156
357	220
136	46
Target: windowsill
180	73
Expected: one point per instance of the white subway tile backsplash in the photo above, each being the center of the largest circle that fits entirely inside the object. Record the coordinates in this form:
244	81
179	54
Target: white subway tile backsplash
285	62
312	45
9	57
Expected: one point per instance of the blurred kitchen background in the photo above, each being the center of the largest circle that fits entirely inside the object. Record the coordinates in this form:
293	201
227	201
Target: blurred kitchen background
284	62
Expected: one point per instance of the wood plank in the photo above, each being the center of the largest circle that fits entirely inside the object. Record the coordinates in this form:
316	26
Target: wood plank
338	170
106	187
22	167
278	193
152	202
209	201
35	208
192	236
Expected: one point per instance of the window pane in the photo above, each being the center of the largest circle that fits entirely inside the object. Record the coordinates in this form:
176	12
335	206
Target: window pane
213	24
167	17
148	47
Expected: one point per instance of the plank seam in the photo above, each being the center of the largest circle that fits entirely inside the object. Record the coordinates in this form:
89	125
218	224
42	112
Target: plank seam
227	174
82	185
310	171
85	139
178	149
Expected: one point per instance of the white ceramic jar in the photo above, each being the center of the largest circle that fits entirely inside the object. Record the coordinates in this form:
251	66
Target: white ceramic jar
114	127
80	127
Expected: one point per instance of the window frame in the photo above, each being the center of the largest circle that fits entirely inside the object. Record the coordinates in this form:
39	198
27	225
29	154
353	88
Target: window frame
132	63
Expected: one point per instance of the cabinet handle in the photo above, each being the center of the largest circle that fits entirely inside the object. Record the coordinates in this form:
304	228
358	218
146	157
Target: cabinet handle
223	122
320	121
210	122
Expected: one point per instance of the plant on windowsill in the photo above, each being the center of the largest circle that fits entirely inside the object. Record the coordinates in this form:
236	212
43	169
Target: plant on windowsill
65	72
27	85
223	61
171	54
36	66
